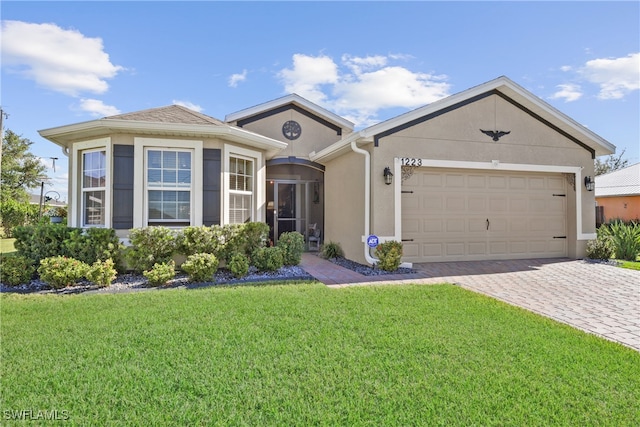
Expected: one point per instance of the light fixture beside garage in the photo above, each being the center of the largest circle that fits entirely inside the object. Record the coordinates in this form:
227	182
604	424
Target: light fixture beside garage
388	176
589	184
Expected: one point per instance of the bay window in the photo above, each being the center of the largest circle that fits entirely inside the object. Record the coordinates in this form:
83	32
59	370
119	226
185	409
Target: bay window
169	186
241	187
94	175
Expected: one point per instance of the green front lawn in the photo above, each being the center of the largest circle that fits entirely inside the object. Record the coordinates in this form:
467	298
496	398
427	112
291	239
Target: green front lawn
308	355
6	246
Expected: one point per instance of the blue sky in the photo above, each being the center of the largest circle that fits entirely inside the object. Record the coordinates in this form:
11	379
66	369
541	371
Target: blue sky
69	62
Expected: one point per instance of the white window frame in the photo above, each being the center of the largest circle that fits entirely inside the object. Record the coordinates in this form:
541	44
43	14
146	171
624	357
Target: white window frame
258	185
141	202
76	202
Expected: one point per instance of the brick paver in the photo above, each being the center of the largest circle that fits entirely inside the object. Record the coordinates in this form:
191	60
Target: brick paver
597	298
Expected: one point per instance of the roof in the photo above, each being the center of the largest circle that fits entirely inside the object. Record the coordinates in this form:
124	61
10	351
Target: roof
293	99
172	121
623	182
502	85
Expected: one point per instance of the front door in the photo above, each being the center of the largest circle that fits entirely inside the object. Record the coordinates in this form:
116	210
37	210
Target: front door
286	207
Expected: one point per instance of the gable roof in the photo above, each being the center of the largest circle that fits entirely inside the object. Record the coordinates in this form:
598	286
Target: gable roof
295	100
623	182
501	86
173	121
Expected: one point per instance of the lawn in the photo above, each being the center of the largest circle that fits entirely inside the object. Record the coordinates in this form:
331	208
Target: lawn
6	246
304	354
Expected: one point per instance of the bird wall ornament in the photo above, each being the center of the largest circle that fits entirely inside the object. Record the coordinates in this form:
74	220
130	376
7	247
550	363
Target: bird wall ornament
495	134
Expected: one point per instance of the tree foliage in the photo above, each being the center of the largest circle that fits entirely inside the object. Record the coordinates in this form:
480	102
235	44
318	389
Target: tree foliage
21	169
610	163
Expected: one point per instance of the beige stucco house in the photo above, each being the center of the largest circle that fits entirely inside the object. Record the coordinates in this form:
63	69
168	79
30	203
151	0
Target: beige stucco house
489	173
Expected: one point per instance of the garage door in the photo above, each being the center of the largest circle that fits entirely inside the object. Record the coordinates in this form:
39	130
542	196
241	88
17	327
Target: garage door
452	215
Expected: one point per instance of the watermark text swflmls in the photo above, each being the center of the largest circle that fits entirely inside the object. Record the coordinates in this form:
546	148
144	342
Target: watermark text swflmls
35	415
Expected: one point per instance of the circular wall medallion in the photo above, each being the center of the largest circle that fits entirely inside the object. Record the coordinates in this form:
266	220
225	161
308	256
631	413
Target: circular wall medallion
291	130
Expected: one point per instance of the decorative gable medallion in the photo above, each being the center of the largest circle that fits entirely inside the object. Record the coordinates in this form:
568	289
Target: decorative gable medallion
291	130
495	134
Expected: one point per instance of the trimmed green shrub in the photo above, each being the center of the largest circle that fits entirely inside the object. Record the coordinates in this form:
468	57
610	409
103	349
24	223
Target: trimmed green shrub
160	273
624	239
14	213
94	244
202	239
16	270
254	236
200	267
231	239
389	254
41	241
331	250
102	273
268	258
599	248
238	265
292	246
61	271
150	245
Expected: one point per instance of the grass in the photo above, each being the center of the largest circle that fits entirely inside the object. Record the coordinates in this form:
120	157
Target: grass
6	246
307	355
631	265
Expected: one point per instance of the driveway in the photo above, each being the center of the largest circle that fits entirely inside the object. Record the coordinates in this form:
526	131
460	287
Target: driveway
597	298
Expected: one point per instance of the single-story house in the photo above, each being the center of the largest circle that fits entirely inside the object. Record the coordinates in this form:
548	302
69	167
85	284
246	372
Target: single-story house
618	194
492	172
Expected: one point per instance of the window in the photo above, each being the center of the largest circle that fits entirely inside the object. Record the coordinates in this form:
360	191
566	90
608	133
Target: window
240	190
94	173
169	187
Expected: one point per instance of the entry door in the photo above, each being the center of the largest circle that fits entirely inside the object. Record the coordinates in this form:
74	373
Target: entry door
287	205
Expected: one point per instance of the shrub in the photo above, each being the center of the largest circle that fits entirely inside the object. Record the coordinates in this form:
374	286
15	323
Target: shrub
94	244
389	254
268	258
624	239
202	239
331	250
60	271
599	248
231	239
150	245
254	235
102	273
200	267
15	213
160	273
41	241
238	265
16	270
292	246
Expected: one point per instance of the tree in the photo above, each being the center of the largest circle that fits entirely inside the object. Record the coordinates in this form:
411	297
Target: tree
610	163
21	169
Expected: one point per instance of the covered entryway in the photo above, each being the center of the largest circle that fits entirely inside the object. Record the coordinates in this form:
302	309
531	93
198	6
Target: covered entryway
462	214
295	200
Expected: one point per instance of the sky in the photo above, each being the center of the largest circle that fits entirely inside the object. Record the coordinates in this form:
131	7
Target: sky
69	62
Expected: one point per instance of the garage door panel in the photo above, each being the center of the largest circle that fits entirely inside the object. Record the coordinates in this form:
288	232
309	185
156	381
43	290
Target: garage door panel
446	215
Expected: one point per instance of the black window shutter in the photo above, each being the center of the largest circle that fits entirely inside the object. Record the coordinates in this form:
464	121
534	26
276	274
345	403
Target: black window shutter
122	187
211	175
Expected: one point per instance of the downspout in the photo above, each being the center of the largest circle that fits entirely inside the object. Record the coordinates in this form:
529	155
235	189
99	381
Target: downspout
367	199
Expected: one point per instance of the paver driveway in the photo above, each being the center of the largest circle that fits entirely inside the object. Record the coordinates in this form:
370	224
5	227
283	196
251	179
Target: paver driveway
597	298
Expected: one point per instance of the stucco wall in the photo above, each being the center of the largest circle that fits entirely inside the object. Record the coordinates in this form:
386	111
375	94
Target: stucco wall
344	204
626	208
456	136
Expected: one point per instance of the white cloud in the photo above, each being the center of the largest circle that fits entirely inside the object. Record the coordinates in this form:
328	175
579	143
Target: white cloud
97	108
189	105
569	92
62	60
359	87
566	68
237	78
615	76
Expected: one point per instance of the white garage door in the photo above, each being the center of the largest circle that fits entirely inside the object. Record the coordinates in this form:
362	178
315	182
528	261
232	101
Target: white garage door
453	215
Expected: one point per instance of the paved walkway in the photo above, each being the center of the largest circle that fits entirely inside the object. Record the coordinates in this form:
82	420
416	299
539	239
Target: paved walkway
596	298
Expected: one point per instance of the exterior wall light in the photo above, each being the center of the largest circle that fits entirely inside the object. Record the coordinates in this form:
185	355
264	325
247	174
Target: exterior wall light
589	184
388	176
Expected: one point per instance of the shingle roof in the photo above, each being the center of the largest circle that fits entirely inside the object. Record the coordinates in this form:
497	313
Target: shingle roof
623	182
169	114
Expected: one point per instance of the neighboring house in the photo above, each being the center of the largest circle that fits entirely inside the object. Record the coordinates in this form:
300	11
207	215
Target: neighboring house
489	173
618	194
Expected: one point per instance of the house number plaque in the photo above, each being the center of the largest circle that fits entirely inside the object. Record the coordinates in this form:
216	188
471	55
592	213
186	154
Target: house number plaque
411	161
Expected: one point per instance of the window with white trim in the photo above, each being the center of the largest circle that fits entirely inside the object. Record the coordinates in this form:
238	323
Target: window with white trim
169	186
94	175
241	184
